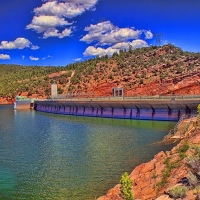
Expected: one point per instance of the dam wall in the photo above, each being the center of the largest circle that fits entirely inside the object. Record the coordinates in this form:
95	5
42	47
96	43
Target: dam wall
22	104
169	109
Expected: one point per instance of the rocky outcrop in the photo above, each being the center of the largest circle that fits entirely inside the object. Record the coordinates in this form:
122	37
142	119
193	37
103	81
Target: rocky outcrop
154	179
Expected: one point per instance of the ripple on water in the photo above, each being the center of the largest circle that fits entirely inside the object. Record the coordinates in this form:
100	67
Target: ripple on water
46	156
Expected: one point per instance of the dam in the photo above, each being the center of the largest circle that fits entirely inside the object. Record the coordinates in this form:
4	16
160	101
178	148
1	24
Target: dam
165	108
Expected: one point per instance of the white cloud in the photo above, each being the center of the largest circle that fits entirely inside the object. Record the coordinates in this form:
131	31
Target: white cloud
55	33
148	34
105	33
101	27
19	43
33	58
93	51
47	57
97	31
23	57
66	32
4	57
138	44
114	38
77	59
135	44
120	35
34	47
86	4
121	45
53	8
43	23
53	14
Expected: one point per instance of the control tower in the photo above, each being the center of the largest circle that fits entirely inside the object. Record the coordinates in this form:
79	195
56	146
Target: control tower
54	90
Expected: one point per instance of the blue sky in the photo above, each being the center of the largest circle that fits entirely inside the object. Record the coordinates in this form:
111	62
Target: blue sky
60	32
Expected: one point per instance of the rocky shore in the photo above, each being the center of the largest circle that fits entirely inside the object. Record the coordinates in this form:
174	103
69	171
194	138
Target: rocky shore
4	100
167	172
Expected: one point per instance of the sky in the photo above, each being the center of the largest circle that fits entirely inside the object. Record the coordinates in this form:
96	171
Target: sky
60	32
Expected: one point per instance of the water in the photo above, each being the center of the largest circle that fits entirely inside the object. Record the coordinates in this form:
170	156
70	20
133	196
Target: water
49	156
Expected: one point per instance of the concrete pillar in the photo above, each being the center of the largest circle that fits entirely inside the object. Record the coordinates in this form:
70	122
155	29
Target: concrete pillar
54	90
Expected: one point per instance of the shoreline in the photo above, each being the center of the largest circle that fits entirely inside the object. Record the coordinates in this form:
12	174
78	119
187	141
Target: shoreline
6	103
154	179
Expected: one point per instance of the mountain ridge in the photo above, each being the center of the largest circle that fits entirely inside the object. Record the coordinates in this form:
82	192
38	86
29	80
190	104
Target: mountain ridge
155	70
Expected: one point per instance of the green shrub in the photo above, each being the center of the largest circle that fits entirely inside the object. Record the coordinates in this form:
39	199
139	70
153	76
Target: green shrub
198	110
197	189
178	192
192	179
194	163
182	150
165	173
141	81
111	77
125	187
96	77
197	150
182	155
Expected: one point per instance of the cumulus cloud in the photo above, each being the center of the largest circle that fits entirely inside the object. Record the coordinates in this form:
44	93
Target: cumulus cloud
93	51
134	44
43	23
101	27
55	14
120	35
34	47
4	57
54	8
33	58
99	51
114	38
19	43
105	33
55	33
86	4
97	31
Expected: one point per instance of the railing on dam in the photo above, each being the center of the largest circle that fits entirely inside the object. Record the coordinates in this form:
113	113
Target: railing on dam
129	98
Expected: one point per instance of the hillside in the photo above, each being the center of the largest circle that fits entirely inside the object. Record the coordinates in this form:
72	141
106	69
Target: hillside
146	71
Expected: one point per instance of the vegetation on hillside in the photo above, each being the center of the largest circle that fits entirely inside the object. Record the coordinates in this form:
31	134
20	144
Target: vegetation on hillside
129	69
15	79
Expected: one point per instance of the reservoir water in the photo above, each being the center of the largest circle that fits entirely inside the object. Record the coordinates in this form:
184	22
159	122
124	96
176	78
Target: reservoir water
55	157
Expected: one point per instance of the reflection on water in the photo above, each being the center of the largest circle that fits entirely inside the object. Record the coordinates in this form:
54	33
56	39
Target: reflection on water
48	156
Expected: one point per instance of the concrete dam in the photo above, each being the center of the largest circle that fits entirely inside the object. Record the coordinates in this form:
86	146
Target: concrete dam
168	108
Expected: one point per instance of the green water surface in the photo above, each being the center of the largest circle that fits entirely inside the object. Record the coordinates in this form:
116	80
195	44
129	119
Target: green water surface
49	156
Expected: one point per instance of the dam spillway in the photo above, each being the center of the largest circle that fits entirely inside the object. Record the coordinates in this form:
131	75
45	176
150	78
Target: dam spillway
168	108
